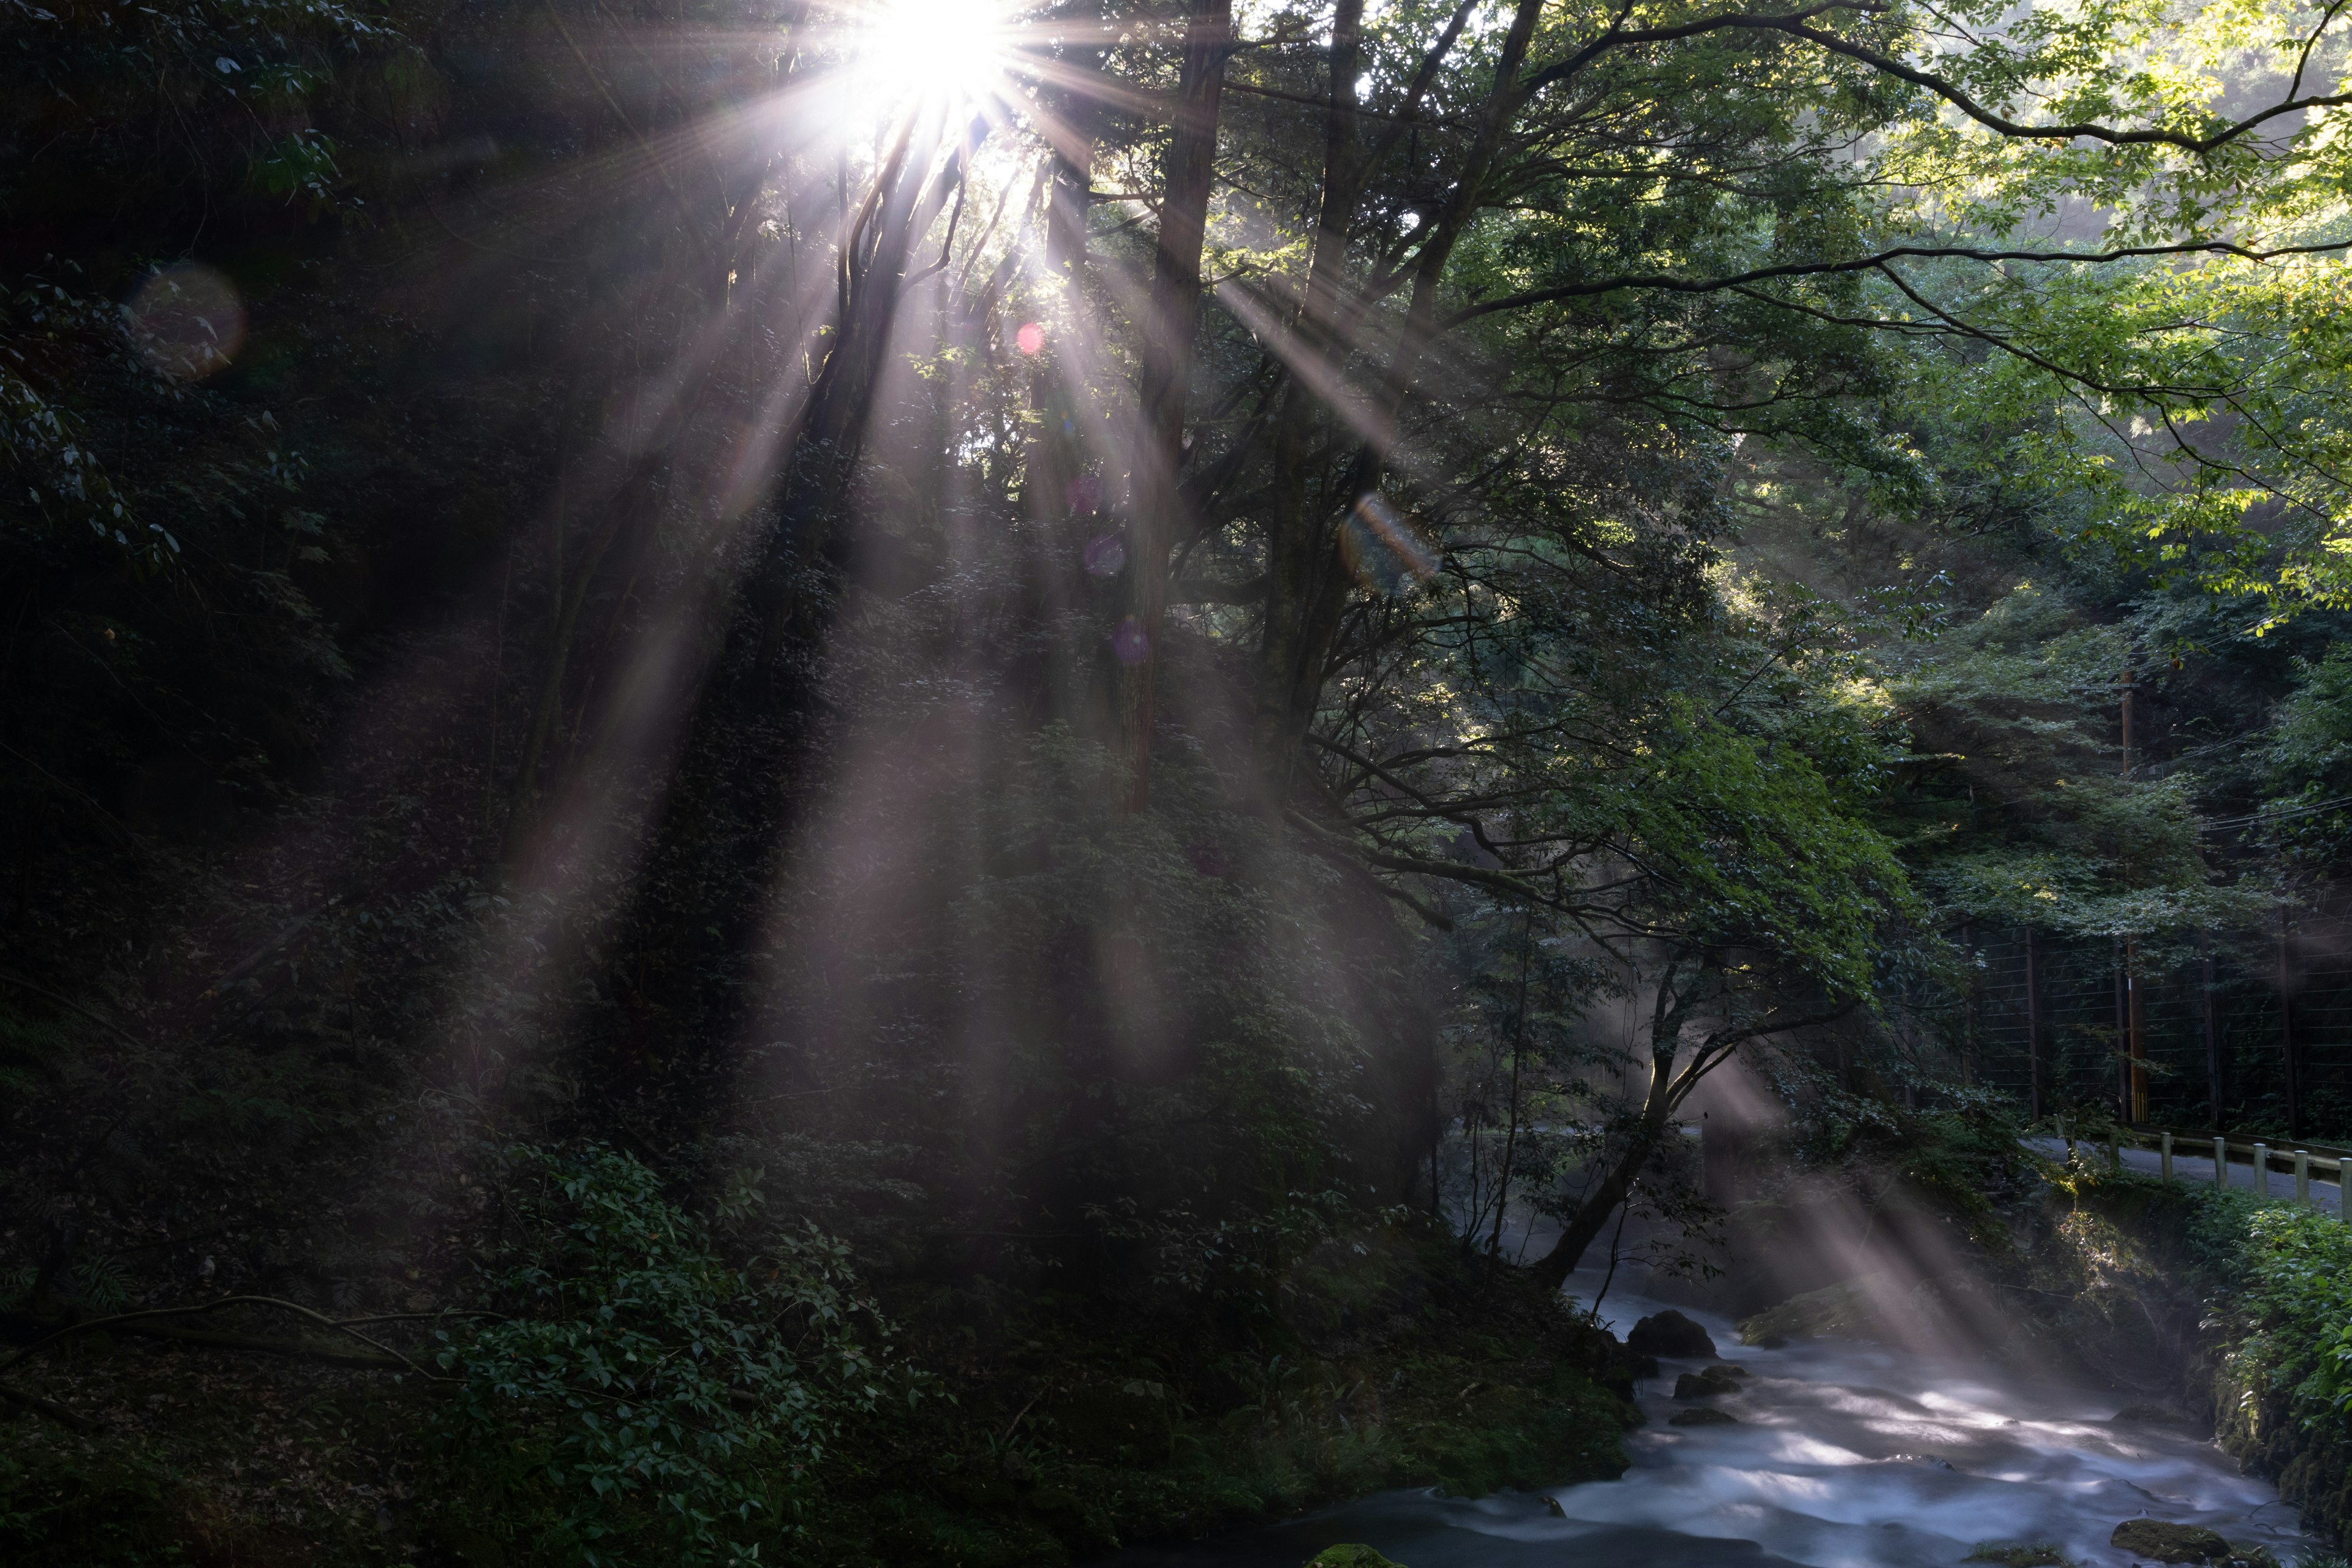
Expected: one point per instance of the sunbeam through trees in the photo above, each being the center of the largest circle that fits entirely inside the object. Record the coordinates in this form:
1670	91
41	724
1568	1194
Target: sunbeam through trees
856	782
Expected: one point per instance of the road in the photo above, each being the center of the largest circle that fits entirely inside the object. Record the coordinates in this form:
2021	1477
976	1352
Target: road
2198	1168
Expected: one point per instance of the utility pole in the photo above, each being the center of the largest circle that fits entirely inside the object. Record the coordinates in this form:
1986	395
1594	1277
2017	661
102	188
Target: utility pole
2136	1021
2131	1017
1969	1008
2122	1037
2032	1025
2130	688
2213	1027
2286	1029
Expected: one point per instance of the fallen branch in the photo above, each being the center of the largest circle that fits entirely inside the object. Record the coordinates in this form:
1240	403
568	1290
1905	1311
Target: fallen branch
147	1325
50	1408
70	1005
215	1338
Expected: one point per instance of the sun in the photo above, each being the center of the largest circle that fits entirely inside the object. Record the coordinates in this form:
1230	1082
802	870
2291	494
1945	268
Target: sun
953	50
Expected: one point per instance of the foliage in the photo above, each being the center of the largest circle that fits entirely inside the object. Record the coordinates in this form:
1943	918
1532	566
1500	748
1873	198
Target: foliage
2294	1263
2272	1275
669	1401
2308	760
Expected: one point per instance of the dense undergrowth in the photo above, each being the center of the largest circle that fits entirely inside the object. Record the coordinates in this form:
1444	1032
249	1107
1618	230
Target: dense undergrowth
630	1383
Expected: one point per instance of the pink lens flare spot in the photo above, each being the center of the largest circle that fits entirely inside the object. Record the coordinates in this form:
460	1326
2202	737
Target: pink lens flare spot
1131	644
1104	557
1031	337
187	322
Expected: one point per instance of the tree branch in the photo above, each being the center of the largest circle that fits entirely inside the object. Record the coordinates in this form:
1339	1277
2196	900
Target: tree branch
1874	262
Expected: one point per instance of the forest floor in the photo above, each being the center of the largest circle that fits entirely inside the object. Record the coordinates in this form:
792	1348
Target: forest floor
1045	1440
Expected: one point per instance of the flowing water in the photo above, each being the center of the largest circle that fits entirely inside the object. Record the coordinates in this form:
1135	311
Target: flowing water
1845	1455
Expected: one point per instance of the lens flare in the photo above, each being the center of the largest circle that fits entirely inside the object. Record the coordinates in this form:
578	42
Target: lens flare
1389	552
1131	644
187	322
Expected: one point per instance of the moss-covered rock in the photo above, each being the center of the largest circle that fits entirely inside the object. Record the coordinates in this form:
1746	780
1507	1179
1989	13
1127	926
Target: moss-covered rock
2166	1542
2148	1416
1702	1415
2039	1554
1705	1385
1350	1557
1669	1333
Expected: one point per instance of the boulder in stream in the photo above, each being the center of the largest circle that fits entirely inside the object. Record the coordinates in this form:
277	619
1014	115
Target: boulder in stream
1350	1556
1705	1385
2148	1416
2162	1542
1669	1333
1703	1416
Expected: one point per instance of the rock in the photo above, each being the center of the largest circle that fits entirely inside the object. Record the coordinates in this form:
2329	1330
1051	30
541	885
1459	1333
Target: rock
1705	1385
1730	1369
1350	1557
1669	1333
1773	1343
1703	1416
2153	1538
1551	1507
2147	1415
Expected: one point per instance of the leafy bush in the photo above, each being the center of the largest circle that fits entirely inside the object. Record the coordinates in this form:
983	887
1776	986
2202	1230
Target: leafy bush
640	1394
2297	1267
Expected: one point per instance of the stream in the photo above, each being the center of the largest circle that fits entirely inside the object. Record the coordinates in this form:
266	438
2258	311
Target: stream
1846	1455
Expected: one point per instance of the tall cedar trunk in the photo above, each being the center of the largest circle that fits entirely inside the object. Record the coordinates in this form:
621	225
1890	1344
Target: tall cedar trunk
1171	320
568	581
1294	527
700	914
790	587
1316	593
1056	459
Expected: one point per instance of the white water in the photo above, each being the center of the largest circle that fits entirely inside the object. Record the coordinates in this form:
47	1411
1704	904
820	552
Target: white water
1846	1456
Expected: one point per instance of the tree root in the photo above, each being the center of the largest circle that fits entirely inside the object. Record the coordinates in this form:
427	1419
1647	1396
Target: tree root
69	1420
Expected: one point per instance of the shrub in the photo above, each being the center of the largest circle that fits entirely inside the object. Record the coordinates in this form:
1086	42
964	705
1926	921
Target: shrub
640	1395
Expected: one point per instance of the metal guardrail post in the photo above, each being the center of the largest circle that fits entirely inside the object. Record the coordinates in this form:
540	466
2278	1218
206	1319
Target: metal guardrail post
2220	1161
2165	1156
2303	1175
2262	1170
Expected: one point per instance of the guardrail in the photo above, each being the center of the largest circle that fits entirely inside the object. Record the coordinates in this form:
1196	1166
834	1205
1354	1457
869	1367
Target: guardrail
2304	1162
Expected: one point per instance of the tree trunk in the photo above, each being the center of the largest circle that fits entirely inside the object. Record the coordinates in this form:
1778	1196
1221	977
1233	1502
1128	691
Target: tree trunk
1295	529
1667	1091
568	592
1553	1270
1309	595
786	591
1070	685
1170	321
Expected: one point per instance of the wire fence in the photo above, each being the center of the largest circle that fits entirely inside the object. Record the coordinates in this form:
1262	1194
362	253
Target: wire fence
2247	1031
